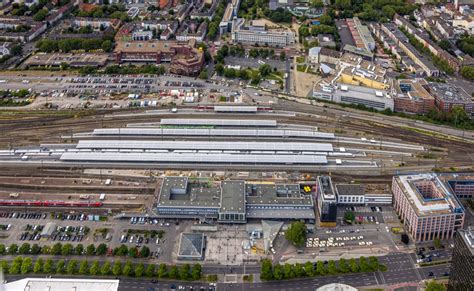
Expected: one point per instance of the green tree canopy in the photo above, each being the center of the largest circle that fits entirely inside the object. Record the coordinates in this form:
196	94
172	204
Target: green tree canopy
296	233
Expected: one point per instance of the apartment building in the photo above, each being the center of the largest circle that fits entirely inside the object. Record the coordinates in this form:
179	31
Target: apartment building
427	207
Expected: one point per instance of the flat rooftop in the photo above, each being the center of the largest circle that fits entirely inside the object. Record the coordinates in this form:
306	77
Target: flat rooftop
326	187
449	93
349	189
412	89
268	194
232	197
468	237
180	191
75	60
428	195
144	46
61	284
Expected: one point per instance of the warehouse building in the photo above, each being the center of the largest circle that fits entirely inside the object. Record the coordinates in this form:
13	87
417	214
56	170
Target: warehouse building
234	201
427	207
326	201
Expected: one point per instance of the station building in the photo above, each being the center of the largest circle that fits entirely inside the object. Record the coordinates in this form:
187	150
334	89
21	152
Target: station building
428	208
234	201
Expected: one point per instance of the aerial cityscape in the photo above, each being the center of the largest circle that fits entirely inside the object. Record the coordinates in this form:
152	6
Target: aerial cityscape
281	145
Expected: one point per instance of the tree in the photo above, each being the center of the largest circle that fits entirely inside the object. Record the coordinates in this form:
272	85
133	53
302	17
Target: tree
349	216
144	252
173	272
468	72
320	269
127	269
13	249
296	233
299	270
373	263
332	269
353	265
83	268
196	272
117	268
265	70
71	267
105	269
219	69
121	250
90	250
282	56
363	265
317	3
4	266
278	272
15	267
35	249
67	250
266	272
150	270
106	46
24	249
101	250
288	271
162	271
95	268
40	15
133	252
184	272
435	286
60	267
437	243
139	269
56	249
79	250
309	269
343	267
26	265
38	267
203	75
48	266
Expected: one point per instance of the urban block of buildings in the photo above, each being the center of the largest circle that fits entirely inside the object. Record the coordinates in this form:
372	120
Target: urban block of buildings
234	201
192	30
427	206
256	32
183	57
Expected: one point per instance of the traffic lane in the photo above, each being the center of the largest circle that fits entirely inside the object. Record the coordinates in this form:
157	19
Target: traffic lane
437	270
137	284
357	280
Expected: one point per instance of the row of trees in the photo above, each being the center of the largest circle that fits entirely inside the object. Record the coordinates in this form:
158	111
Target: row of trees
26	265
213	28
79	250
125	70
108	11
466	44
74	44
309	269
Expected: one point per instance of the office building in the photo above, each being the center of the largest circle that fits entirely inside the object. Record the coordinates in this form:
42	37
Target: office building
326	201
448	96
356	95
427	207
462	184
255	32
357	194
461	276
410	96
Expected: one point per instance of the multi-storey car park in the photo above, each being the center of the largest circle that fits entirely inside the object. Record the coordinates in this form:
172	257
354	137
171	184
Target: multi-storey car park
427	206
234	201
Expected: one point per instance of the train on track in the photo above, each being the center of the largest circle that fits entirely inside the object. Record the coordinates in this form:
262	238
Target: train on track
49	203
